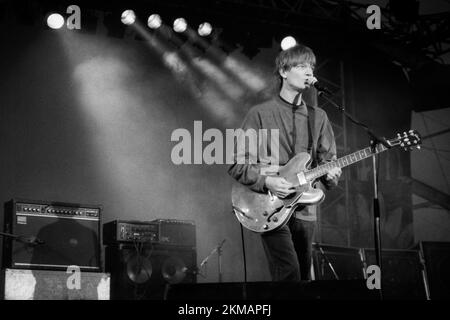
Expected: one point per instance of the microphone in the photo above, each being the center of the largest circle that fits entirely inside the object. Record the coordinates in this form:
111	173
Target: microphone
319	87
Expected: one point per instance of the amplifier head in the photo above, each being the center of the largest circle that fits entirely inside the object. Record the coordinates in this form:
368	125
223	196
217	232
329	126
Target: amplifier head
130	231
177	232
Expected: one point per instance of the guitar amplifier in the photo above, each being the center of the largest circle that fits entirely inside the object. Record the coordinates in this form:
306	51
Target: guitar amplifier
129	231
176	232
65	234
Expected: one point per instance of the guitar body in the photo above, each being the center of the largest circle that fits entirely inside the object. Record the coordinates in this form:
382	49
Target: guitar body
262	212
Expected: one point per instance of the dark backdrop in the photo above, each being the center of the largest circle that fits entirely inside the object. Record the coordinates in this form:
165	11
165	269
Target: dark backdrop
87	118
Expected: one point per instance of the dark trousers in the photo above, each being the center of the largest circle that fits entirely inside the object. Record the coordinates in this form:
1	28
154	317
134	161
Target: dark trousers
288	250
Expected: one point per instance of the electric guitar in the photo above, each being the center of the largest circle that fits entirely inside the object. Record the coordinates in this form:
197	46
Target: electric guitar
261	212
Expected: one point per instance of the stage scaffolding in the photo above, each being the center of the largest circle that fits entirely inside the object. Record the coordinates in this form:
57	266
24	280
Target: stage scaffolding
338	86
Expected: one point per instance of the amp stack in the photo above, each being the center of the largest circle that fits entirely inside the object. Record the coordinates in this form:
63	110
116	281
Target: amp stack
144	257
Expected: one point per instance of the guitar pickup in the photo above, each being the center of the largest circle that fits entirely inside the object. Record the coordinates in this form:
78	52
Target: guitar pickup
301	178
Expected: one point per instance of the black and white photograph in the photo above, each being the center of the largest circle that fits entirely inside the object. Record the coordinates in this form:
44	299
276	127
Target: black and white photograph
220	158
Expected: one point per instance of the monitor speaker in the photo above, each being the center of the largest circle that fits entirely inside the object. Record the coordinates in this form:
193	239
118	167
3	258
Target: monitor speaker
437	265
401	273
337	263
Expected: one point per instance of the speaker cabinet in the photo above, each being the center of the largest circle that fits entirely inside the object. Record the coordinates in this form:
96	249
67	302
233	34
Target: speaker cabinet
144	271
68	234
401	273
437	264
332	261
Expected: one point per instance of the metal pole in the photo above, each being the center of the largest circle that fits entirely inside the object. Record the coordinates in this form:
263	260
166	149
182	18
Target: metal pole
346	174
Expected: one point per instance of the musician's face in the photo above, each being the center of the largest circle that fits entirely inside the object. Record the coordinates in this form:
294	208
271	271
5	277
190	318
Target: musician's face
298	78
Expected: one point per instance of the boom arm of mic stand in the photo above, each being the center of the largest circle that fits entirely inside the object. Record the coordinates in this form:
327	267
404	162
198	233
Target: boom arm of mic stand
207	258
9	235
28	240
372	136
217	248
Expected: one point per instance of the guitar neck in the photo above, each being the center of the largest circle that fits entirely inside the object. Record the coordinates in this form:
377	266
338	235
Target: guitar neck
343	161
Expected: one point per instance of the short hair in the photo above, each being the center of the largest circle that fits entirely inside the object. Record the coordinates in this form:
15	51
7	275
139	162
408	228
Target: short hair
294	56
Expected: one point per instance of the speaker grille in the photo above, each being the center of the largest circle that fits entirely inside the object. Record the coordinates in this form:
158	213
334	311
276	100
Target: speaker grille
144	272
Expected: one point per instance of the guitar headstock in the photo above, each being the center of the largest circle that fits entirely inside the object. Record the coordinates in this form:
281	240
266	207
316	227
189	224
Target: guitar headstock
407	140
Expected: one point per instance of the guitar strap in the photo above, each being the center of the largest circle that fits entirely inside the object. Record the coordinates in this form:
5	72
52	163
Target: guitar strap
310	114
311	138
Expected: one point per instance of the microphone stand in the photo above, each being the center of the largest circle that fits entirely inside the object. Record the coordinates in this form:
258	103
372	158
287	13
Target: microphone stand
374	140
217	249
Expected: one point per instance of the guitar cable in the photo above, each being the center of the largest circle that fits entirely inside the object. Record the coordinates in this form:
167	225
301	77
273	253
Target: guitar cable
244	288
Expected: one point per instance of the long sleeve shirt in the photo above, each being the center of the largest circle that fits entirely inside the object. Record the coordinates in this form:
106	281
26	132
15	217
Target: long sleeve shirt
292	123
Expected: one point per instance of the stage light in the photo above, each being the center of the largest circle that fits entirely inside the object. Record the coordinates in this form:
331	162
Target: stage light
55	21
180	25
154	21
204	29
128	17
287	43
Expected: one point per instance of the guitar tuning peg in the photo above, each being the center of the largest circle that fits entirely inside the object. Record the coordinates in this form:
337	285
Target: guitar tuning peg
418	147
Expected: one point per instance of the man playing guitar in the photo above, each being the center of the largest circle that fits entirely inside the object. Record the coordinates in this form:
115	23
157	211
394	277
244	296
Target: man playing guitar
302	129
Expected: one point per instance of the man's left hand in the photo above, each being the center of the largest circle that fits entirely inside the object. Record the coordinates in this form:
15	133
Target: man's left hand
333	174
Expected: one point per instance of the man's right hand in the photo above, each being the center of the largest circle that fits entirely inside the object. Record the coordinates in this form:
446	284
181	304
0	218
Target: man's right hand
279	186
